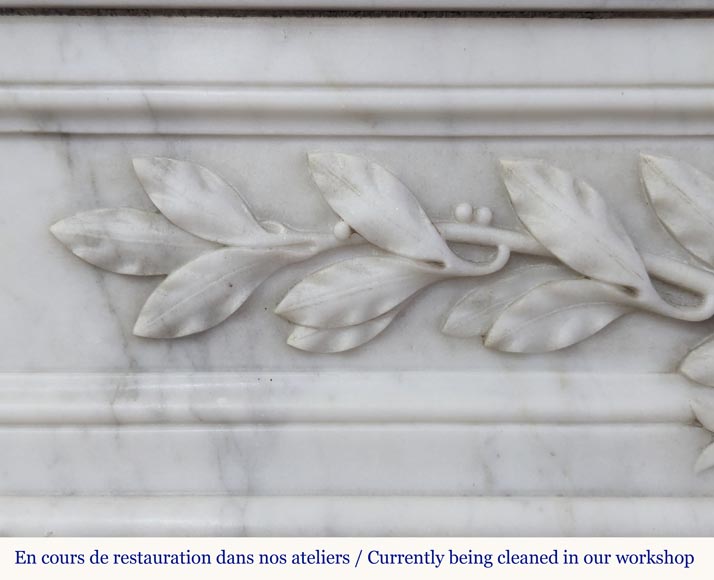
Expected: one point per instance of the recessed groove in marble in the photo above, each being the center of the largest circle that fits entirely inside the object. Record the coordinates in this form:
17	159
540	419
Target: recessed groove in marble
374	6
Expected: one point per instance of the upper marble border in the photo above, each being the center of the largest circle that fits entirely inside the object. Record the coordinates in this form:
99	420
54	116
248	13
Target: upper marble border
355	52
356	76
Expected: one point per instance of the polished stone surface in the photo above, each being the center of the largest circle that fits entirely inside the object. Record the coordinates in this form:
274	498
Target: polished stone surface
416	431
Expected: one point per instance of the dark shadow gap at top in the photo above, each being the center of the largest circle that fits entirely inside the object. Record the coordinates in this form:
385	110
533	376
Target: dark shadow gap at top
332	13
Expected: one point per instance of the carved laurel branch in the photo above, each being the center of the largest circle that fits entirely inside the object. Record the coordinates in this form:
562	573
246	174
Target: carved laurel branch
216	253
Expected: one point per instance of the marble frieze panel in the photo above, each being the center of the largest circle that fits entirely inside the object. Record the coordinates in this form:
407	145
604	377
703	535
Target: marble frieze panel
356	276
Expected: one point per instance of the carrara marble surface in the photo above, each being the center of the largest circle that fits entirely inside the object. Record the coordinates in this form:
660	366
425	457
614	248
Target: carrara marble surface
356	276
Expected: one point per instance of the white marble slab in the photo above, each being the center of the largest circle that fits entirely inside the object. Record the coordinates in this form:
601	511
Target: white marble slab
415	432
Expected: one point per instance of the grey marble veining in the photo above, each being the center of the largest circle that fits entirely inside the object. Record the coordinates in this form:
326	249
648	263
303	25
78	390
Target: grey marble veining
418	430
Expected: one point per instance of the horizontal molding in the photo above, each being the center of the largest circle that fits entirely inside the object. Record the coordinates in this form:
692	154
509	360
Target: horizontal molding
355	516
380	111
33	399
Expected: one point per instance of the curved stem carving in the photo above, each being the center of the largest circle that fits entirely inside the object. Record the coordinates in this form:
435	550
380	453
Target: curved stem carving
694	279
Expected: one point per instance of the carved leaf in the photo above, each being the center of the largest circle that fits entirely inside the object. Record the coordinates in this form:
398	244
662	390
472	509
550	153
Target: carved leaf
129	241
705	460
704	414
378	206
474	314
205	292
354	291
572	220
698	365
683	198
331	340
555	315
198	201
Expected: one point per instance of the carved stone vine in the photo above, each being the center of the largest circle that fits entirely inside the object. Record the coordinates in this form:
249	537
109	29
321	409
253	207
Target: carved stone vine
215	253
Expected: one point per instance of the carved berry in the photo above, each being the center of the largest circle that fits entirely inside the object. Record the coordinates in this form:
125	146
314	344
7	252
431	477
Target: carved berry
484	216
342	230
464	213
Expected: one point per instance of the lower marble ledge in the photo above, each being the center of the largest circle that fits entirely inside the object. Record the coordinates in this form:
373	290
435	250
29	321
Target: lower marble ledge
355	516
349	453
382	460
379	459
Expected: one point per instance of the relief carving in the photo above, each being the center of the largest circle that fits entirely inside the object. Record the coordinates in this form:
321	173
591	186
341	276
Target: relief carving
216	253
